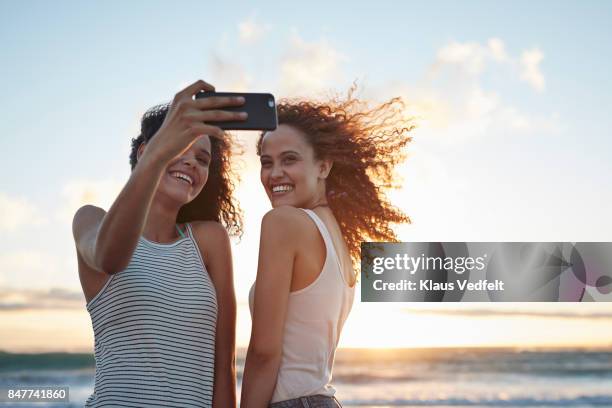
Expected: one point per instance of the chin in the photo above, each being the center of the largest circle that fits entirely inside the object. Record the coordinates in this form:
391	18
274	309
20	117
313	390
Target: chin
288	202
277	202
180	197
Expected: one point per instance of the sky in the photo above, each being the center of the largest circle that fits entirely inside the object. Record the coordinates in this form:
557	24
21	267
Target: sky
512	140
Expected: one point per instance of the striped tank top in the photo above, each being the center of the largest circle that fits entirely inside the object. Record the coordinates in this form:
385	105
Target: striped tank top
154	330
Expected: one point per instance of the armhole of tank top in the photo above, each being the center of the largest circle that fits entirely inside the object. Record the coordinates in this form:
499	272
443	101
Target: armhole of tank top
93	300
328	259
196	247
323	228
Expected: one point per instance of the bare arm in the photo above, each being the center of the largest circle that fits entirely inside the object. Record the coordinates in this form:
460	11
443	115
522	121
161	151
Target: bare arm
215	247
277	252
106	241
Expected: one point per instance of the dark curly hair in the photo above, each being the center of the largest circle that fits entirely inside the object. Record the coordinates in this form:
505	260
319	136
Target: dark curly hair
215	202
364	144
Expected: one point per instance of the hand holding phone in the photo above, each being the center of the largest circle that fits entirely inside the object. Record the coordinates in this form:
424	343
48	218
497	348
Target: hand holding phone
187	119
260	107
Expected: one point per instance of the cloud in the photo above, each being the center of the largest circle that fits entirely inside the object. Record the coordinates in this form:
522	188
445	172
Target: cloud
251	31
16	212
454	103
458	113
531	73
229	75
473	59
77	193
304	68
497	49
512	313
55	298
309	67
469	57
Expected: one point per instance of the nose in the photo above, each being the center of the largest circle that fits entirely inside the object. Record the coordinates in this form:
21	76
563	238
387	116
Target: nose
188	160
277	172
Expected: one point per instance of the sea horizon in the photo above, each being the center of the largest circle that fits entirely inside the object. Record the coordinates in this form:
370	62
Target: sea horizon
511	377
40	350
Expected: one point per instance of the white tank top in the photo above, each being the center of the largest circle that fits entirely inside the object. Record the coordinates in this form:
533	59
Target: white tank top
315	317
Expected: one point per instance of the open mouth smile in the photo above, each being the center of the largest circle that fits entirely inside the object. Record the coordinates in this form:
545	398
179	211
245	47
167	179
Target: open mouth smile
182	177
279	189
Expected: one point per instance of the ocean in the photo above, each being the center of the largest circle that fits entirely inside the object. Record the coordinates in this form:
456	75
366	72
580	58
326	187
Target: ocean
442	378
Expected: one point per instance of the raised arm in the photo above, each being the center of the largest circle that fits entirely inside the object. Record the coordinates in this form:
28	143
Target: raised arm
106	241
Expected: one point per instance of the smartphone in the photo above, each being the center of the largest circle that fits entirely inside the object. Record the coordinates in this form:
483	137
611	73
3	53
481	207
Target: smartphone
261	108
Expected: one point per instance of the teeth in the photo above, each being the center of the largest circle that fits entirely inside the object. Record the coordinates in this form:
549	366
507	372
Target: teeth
182	176
282	188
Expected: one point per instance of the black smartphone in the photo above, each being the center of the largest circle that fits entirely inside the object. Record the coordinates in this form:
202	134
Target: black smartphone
261	108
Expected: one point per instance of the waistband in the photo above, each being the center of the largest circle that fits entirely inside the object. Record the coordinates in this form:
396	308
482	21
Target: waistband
310	401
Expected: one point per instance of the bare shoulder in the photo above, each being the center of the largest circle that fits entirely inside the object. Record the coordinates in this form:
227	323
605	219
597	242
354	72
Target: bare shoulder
214	245
85	217
209	231
212	238
89	210
285	220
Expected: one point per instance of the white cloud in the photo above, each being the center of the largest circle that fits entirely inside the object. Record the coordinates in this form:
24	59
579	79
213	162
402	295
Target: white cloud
251	31
16	212
77	193
229	75
455	104
497	49
531	73
469	57
309	67
473	59
303	69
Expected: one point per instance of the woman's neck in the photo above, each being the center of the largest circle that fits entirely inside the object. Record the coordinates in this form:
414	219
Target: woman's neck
161	223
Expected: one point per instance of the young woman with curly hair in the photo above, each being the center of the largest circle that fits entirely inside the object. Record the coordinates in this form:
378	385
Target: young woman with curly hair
156	268
324	169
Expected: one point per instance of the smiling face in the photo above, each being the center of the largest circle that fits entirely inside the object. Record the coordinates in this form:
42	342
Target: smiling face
186	175
290	173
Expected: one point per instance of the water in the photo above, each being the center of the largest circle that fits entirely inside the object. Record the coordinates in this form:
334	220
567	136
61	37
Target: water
442	378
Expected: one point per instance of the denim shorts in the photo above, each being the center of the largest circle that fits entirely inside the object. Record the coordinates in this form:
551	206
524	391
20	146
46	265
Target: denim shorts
311	401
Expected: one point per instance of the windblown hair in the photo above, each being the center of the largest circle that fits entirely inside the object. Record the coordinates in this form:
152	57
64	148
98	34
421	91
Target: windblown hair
215	202
364	144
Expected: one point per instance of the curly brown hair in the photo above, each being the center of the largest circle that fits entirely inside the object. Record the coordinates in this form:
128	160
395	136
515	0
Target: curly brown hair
216	201
364	144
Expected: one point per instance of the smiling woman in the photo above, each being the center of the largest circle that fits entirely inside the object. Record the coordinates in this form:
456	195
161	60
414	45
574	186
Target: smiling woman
160	295
362	146
325	170
217	206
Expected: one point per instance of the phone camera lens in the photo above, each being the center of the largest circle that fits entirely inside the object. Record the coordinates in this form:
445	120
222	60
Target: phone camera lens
271	103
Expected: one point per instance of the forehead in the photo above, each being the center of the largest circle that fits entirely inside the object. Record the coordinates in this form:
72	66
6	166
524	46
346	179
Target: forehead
203	143
282	139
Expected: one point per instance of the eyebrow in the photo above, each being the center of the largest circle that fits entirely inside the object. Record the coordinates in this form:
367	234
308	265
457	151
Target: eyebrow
205	152
282	154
